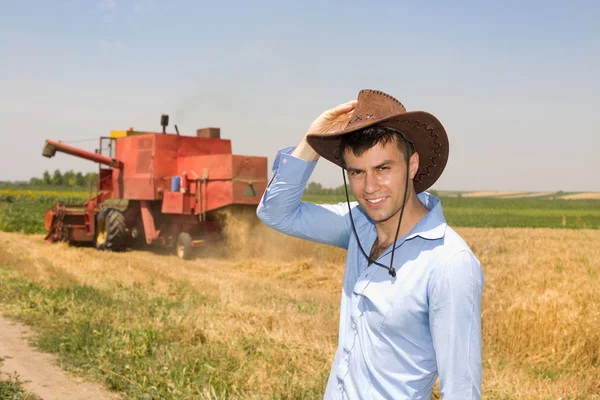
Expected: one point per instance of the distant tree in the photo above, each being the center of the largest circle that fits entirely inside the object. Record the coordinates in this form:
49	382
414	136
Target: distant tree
340	191
314	188
47	178
90	177
69	178
57	178
79	179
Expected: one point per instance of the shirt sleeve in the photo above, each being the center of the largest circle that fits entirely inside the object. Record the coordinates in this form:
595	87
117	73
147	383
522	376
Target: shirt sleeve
282	209
455	320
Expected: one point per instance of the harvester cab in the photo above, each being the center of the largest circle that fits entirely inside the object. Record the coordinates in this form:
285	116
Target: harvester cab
158	189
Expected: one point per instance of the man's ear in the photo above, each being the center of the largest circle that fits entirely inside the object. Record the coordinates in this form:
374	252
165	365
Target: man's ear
414	165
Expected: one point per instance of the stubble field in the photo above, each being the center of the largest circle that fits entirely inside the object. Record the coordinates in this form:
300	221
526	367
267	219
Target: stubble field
259	319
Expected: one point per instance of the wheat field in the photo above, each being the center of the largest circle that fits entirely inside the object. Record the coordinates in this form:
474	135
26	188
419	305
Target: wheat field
540	311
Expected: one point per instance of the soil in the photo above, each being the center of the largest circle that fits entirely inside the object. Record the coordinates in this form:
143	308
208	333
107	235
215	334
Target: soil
38	371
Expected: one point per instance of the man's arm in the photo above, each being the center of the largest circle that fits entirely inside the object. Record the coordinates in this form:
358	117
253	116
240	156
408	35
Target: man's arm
455	320
282	208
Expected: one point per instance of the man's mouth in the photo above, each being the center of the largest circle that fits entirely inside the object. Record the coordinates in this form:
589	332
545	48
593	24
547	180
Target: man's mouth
375	202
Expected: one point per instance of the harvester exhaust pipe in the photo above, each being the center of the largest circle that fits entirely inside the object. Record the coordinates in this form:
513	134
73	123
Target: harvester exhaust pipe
51	147
164	121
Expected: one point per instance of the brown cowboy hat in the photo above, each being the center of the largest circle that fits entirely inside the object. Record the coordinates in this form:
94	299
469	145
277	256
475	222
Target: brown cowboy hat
421	128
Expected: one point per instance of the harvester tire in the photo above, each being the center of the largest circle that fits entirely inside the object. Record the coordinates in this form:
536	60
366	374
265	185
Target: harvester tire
184	246
110	230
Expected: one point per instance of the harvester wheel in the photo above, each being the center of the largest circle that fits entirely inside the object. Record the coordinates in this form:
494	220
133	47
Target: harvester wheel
184	246
110	230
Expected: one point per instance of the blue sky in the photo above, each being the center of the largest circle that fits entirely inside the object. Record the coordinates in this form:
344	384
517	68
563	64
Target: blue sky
514	83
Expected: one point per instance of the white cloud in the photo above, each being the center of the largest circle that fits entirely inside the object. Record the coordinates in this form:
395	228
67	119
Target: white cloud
107	45
255	50
109	18
141	6
103	44
108	4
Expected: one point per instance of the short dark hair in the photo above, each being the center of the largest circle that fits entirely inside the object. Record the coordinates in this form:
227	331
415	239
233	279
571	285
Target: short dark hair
360	141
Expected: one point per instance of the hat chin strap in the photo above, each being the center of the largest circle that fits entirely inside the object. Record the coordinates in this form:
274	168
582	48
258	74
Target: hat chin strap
390	268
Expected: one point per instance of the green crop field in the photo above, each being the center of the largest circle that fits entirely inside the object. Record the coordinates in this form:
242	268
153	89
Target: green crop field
22	210
490	212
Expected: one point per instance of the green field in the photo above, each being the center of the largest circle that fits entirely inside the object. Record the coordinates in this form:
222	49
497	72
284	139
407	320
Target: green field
489	212
22	210
522	213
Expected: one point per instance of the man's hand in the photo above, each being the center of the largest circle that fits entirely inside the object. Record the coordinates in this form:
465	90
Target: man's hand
332	120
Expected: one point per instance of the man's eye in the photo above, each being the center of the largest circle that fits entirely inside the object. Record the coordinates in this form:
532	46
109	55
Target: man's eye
383	168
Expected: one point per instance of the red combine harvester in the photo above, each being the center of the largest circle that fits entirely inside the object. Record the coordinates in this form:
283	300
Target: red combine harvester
172	187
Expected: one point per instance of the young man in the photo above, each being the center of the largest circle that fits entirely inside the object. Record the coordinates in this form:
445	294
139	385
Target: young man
410	308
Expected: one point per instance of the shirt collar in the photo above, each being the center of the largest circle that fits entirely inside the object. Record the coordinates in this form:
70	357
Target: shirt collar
433	225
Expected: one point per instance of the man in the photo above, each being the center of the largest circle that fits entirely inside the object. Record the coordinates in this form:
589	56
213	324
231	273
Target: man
410	308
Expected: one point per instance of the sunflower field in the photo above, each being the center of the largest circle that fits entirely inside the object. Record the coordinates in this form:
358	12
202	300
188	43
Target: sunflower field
22	210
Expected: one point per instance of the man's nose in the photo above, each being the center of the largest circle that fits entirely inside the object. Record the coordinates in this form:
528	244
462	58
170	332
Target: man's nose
371	184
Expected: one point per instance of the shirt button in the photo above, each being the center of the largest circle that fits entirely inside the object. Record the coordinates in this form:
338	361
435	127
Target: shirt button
339	386
346	357
284	161
353	326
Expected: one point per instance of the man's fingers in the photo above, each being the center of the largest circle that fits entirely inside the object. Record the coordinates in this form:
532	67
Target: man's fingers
349	105
333	119
342	108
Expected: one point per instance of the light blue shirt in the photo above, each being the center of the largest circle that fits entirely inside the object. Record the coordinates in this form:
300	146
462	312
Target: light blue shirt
396	335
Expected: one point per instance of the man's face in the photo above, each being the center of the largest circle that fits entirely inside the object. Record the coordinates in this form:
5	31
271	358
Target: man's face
378	177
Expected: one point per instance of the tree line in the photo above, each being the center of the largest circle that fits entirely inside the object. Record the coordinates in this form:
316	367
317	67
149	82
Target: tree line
67	178
78	179
314	188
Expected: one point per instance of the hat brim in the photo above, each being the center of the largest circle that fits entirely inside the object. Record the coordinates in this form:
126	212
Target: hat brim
423	129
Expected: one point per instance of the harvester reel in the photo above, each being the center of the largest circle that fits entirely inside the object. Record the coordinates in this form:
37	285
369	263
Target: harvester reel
110	230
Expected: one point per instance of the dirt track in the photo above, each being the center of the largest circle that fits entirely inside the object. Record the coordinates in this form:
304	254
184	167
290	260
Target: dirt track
39	371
